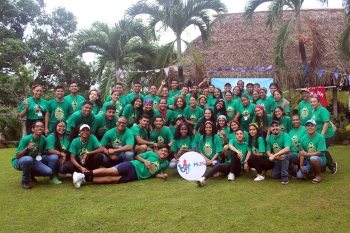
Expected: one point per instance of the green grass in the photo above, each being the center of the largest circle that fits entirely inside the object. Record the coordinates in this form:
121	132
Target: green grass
177	205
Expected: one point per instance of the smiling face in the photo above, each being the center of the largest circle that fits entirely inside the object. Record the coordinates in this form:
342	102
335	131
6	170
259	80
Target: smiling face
208	129
277	96
119	88
153	90
144	122
193	102
207	114
163	153
239	135
84	133
273	89
222	122
61	128
250	89
236	91
310	128
202	101
275	129
262	94
234	126
93	95
73	88
179	103
240	84
211	89
278	113
219	105
228	96
314	103
183	131
59	93
115	96
174	85
137	103
245	101
216	93
253	132
158	122
121	124
206	91
227	88
296	121
184	90
137	88
148	107
195	89
256	95
305	95
162	104
165	92
258	112
86	110
37	92
110	114
38	128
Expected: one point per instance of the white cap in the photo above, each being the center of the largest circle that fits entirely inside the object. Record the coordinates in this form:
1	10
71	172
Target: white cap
84	126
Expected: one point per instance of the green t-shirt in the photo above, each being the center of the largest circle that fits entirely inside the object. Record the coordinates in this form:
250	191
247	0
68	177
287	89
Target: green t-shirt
51	140
122	99
172	129
24	142
155	99
112	138
231	109
137	131
118	106
286	124
177	113
162	137
131	114
227	132
157	164
261	147
321	116
242	147
183	143
36	109
233	136
77	119
78	148
277	104
74	100
314	144
267	103
250	97
58	111
193	115
296	136
101	124
212	102
305	111
168	116
95	108
247	115
276	144
264	128
132	95
175	94
208	146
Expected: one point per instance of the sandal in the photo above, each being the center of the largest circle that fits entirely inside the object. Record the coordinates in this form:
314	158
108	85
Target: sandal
316	181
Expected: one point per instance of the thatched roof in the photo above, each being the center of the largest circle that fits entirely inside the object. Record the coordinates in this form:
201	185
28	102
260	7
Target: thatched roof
239	45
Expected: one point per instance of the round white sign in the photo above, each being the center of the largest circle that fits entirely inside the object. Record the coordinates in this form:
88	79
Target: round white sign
191	166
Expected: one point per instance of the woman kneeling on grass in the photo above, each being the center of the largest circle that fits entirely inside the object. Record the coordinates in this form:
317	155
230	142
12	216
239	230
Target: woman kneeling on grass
234	161
256	157
144	166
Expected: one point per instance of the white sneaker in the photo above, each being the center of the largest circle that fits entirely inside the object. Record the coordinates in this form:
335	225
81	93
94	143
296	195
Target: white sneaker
69	175
200	181
78	179
252	169
259	178
231	177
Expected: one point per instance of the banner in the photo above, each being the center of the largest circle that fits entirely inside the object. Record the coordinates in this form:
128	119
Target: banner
264	82
191	166
320	92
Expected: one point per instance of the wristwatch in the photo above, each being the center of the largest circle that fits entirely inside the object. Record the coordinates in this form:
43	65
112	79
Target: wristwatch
27	149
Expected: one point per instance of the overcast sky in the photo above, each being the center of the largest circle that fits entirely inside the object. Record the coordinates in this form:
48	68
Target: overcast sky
111	11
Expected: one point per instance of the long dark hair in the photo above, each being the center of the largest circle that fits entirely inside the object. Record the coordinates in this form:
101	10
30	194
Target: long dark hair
220	96
222	111
201	123
240	92
177	134
183	101
258	134
98	100
140	109
264	119
57	139
274	117
213	132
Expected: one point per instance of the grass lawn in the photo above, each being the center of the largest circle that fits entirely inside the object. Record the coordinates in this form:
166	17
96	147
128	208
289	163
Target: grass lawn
177	205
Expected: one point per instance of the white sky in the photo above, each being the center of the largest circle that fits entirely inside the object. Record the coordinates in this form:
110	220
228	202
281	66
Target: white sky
111	11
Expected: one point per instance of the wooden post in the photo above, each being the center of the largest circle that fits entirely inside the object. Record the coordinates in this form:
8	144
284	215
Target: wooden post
335	101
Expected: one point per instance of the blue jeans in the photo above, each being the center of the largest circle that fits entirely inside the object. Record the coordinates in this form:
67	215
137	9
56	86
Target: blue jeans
308	168
29	166
127	156
281	166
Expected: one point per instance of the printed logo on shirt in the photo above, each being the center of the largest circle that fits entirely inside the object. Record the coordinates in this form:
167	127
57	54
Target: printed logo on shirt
246	114
59	113
132	119
34	151
160	140
154	166
103	130
304	112
208	149
255	151
120	106
311	148
155	104
283	128
83	151
276	148
184	146
230	111
74	104
63	147
116	142
193	118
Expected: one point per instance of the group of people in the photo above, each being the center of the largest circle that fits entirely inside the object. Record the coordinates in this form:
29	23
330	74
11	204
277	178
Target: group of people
135	136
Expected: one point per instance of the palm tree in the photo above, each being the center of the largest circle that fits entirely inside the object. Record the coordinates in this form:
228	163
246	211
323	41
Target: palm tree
116	48
275	14
343	41
177	15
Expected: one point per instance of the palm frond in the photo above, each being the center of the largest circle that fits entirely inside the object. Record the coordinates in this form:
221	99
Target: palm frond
346	5
282	37
250	8
317	43
276	11
343	42
198	62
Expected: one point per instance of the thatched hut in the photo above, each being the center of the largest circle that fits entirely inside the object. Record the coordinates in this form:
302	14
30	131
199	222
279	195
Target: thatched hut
241	45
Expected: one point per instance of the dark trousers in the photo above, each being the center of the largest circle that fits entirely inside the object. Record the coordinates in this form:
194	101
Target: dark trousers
225	168
260	163
330	163
92	163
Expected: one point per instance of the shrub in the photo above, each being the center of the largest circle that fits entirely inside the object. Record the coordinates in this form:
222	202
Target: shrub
11	127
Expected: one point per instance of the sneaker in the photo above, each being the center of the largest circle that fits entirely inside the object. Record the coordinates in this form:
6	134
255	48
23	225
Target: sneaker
78	179
200	181
230	177
284	180
252	169
259	178
334	169
69	175
26	185
55	181
263	172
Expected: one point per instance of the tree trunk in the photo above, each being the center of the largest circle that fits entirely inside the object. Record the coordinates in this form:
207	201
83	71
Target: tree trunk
302	51
23	84
180	70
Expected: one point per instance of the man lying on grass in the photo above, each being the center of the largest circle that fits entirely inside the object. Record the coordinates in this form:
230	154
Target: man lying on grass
143	167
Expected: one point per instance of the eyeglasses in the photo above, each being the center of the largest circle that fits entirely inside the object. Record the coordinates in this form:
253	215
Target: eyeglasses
121	123
61	126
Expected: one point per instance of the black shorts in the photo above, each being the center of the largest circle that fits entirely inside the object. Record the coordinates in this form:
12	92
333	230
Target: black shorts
127	171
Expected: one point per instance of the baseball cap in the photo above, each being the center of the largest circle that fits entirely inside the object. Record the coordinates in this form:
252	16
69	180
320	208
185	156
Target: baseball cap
311	121
84	126
304	90
275	122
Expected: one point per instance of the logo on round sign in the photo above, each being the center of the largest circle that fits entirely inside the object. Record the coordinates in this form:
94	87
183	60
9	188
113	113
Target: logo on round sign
191	166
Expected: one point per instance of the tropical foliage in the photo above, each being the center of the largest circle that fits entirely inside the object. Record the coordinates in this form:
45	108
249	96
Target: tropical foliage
344	38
